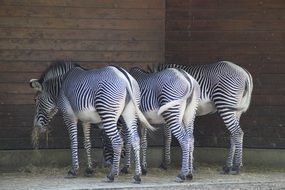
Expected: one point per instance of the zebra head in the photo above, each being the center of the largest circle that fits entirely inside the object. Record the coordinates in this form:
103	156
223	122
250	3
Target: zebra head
45	104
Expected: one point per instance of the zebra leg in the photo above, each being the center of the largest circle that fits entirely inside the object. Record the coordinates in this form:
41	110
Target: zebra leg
234	160
87	146
131	126
229	163
144	149
238	140
167	146
113	135
191	157
136	148
127	147
107	150
171	117
72	131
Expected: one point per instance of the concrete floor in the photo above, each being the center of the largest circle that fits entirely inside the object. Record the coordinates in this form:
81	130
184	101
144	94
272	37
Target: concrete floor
45	169
206	177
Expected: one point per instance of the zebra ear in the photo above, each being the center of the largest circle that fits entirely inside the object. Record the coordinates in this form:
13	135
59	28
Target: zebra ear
35	84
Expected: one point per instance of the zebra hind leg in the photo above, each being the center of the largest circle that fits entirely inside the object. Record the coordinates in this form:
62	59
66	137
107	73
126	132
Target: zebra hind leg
238	153
126	152
133	138
167	145
234	160
144	150
117	147
87	145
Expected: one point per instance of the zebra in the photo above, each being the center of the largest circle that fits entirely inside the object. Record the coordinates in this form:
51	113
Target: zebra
92	96
170	96
226	88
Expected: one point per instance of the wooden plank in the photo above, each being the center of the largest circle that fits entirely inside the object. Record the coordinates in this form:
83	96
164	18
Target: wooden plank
253	142
80	45
17	77
249	47
234	13
63	23
140	4
213	56
226	25
37	67
225	36
14	110
269	99
264	111
242	4
17	99
87	12
57	34
110	57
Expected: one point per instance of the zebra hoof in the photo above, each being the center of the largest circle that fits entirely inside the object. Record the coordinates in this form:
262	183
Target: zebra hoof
189	177
109	179
180	178
235	170
163	166
137	179
144	171
88	172
71	174
226	170
125	170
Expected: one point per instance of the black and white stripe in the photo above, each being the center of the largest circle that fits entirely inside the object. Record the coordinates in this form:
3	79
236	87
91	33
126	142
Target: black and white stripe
228	88
92	96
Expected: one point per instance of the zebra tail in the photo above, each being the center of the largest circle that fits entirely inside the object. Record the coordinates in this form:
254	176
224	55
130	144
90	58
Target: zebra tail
248	91
130	90
140	115
175	102
246	99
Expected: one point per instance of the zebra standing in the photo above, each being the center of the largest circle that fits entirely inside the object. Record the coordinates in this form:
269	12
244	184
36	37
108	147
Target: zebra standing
92	96
225	88
170	96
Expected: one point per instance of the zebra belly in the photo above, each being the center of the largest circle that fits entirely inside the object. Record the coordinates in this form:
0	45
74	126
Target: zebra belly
206	107
89	115
153	117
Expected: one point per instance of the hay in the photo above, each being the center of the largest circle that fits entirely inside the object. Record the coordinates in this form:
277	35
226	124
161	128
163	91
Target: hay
36	135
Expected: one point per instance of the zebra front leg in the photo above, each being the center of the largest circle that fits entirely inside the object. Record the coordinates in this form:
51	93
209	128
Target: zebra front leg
72	130
167	146
87	145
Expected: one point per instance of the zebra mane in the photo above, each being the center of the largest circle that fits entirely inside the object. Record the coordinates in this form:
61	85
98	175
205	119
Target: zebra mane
154	68
140	70
57	69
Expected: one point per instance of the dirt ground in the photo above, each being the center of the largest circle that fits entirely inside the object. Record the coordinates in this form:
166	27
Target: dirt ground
205	178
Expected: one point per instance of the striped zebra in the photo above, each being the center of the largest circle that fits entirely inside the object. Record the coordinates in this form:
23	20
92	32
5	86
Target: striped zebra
171	97
226	88
92	96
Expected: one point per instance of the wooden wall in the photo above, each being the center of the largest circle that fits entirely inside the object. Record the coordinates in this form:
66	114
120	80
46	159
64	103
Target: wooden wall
34	33
249	33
